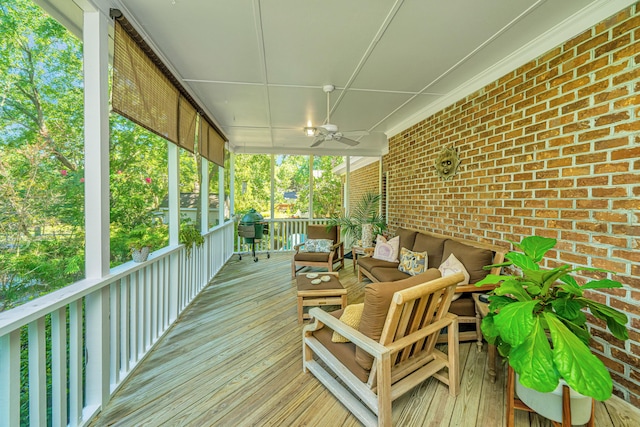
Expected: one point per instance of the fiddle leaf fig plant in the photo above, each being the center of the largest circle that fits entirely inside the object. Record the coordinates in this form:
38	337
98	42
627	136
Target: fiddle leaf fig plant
537	321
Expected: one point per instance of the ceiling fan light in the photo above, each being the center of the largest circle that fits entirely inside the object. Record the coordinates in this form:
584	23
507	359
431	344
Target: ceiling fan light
310	131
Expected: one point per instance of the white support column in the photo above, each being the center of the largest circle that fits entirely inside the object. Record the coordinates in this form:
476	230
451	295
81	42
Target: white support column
310	188
10	379
96	139
221	195
204	196
174	228
382	196
347	185
273	201
232	186
96	143
174	192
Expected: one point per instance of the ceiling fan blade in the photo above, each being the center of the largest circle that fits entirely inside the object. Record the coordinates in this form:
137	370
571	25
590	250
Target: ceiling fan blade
319	140
355	133
347	141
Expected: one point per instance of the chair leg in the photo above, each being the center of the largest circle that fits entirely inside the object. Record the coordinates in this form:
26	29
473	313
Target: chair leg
454	359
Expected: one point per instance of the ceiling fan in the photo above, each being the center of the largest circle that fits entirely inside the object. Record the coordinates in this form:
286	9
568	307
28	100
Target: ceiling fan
329	131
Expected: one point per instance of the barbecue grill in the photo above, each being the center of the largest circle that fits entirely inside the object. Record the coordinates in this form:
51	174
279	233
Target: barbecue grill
252	228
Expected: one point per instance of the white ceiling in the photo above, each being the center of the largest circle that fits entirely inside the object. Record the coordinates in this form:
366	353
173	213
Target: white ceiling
258	66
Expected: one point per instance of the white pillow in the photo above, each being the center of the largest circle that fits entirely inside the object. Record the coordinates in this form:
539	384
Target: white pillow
452	266
387	250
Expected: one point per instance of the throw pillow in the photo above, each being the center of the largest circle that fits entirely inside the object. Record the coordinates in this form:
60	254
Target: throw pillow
318	245
350	316
412	262
452	266
387	250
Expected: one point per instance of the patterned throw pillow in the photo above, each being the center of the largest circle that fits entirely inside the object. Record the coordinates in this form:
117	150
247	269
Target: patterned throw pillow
387	250
318	245
350	316
452	266
411	262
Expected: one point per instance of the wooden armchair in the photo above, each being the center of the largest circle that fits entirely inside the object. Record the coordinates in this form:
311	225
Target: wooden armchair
303	258
403	357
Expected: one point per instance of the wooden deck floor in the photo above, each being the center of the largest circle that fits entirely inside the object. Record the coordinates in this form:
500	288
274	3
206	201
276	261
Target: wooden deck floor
234	359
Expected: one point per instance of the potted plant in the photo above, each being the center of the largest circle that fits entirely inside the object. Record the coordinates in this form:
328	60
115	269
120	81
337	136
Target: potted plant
537	322
140	243
365	215
189	235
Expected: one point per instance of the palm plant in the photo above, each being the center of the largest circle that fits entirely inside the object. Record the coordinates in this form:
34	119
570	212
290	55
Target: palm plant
366	211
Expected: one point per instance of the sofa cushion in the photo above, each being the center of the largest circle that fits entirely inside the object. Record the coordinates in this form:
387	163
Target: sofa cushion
407	237
377	299
388	274
321	232
345	352
473	258
312	256
369	263
432	245
463	306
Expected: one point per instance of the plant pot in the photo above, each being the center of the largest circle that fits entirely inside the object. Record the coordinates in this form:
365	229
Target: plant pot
140	255
367	235
549	405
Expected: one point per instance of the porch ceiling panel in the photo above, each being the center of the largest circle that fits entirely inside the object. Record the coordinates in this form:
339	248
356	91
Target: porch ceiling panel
261	65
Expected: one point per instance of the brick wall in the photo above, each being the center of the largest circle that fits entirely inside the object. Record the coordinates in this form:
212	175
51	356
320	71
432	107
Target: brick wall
364	180
553	149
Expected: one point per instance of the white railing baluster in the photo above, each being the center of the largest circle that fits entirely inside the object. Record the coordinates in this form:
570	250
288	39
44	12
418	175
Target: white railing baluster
125	325
76	350
37	374
59	367
10	379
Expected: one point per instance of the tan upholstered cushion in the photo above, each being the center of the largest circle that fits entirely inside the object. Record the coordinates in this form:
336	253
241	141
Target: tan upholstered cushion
351	317
432	245
320	232
388	274
312	256
407	237
369	263
471	257
377	299
344	352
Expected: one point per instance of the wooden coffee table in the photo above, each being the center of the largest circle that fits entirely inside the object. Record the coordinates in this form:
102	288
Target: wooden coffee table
324	293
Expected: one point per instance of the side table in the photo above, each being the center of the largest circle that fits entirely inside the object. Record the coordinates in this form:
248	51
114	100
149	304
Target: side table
482	309
359	250
324	293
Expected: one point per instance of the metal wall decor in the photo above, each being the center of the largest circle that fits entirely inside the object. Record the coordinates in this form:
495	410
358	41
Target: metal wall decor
447	163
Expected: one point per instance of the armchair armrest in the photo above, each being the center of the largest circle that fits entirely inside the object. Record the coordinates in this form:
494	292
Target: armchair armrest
322	318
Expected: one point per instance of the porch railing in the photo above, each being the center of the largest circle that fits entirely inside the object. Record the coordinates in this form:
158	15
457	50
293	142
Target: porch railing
283	234
85	339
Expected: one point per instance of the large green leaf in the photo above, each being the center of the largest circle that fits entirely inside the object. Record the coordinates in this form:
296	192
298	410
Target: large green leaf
512	287
579	329
602	284
492	279
522	261
489	330
604	312
536	246
496	302
515	321
568	308
533	360
582	370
